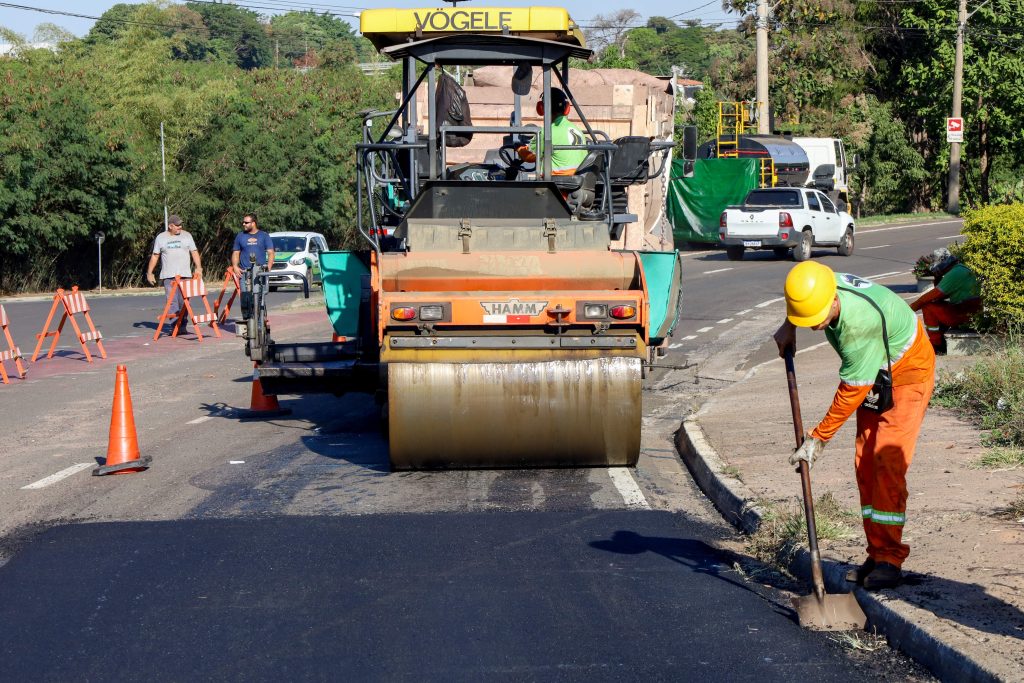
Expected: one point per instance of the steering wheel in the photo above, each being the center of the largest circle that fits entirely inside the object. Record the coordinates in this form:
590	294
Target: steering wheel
509	157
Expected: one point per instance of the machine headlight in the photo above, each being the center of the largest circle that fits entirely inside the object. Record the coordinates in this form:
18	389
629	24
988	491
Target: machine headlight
297	260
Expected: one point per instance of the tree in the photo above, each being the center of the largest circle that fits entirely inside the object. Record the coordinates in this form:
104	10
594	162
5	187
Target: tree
296	34
610	31
236	34
112	23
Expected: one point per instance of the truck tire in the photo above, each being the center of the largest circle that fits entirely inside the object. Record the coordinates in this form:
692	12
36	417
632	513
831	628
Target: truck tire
802	251
734	252
780	252
845	247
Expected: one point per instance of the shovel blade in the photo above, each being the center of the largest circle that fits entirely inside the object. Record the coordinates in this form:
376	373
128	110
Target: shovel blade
838	612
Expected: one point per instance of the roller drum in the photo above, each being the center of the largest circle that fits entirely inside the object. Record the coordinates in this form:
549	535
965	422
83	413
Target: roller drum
565	413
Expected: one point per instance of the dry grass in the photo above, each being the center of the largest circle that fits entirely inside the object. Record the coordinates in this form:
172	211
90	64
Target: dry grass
784	530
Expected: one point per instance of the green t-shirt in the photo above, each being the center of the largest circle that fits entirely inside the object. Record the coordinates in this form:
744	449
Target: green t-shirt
563	132
959	284
857	334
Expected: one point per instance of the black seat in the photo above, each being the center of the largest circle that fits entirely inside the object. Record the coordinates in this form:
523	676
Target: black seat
631	161
581	187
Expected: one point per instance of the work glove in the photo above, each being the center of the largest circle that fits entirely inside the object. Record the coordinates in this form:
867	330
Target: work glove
810	450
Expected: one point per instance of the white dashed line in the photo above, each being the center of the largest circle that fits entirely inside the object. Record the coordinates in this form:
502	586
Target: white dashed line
880	246
705	329
724	321
719	270
628	488
882	276
951	237
196	421
689	337
904	227
769	302
745	311
63	474
676	345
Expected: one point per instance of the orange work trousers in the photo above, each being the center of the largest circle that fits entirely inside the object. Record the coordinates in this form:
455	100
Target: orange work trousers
939	316
885	447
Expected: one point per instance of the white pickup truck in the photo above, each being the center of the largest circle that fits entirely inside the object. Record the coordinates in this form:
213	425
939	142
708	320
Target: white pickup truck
785	220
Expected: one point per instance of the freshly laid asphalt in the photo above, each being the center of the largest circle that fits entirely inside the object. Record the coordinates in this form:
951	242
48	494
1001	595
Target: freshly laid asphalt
600	595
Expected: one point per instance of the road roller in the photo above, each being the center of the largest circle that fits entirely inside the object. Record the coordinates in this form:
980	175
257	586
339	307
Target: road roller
504	313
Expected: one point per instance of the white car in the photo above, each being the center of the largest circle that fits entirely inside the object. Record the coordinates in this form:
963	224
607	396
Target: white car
296	255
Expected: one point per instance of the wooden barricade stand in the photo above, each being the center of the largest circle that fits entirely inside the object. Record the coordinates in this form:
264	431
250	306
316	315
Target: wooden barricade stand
73	302
229	278
189	288
11	353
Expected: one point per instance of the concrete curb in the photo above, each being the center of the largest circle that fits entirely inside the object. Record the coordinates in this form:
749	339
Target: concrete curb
737	505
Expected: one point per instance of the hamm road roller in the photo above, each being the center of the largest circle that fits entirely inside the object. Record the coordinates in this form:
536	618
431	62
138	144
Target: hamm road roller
506	308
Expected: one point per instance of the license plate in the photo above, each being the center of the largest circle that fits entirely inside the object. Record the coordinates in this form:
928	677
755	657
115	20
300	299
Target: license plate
751	243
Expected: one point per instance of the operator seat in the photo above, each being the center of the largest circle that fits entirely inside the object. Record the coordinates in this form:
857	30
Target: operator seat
580	188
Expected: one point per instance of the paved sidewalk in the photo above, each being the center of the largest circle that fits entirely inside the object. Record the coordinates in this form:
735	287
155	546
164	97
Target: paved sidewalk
962	613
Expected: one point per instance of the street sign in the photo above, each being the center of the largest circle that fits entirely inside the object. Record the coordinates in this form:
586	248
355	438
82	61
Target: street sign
955	129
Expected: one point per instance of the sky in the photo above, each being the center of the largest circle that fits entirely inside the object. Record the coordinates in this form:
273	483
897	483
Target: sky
24	21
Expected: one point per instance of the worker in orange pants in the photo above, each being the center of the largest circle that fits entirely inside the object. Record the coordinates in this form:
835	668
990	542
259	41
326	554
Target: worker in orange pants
875	333
953	301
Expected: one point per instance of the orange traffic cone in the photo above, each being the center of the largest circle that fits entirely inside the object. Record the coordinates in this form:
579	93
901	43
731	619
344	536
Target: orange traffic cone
262	405
123	445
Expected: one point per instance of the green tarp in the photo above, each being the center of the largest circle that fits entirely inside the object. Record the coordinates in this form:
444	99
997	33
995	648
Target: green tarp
696	203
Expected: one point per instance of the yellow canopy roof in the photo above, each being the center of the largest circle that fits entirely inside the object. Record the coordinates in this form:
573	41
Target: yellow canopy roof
387	27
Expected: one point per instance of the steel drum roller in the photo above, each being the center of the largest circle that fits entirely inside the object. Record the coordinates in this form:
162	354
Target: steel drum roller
565	413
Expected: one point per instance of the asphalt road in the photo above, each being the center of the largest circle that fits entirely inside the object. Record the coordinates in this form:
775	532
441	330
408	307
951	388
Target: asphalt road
287	548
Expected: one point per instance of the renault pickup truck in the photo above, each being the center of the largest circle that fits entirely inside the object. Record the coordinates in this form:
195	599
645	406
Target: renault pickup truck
787	220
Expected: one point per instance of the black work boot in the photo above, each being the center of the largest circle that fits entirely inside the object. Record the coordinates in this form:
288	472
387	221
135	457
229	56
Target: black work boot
858	575
884	575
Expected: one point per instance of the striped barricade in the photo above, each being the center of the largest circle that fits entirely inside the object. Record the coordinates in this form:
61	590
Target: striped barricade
73	302
188	288
11	353
230	278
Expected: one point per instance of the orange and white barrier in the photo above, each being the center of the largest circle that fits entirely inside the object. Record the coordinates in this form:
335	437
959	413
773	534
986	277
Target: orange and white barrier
11	353
229	278
188	288
73	302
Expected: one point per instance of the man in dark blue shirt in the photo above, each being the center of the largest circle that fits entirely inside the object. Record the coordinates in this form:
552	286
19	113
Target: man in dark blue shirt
251	242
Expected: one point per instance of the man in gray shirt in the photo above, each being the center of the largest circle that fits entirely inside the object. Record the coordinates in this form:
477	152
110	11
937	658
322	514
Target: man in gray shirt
173	249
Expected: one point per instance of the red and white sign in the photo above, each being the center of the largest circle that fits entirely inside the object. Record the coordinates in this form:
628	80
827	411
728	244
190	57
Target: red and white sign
955	129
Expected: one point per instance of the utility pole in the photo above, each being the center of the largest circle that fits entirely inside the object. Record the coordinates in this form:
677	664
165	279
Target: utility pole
163	172
953	183
762	67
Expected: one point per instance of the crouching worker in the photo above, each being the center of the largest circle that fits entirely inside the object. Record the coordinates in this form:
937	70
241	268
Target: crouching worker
563	132
874	331
953	301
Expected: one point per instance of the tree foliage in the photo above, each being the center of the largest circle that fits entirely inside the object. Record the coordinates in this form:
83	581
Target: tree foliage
80	150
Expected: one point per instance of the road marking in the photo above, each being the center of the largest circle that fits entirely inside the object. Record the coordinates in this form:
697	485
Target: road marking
705	329
719	270
627	487
236	462
880	246
689	337
63	474
724	321
196	421
904	227
951	237
882	276
769	302
674	346
745	311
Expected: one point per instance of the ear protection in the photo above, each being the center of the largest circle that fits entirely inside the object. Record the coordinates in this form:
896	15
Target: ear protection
565	105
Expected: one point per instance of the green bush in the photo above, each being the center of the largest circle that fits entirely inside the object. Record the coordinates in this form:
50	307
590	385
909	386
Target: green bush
994	249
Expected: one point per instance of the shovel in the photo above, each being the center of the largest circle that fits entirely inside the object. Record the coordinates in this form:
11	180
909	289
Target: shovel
819	611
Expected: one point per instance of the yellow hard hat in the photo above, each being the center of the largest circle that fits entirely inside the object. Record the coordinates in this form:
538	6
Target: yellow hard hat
810	289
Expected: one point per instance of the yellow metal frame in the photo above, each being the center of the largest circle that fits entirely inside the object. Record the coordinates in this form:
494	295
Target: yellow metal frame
734	119
386	27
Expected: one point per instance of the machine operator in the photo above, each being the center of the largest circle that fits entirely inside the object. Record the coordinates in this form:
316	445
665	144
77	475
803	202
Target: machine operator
563	132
